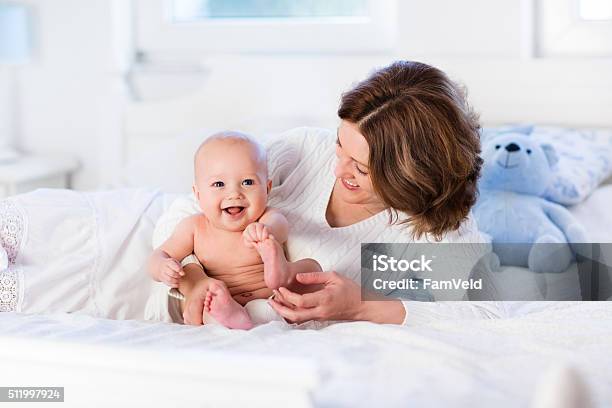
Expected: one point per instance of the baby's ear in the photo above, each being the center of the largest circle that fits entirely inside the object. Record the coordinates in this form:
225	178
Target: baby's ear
269	185
196	192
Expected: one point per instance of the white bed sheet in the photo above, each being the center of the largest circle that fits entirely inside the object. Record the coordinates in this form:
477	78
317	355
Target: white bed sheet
458	363
475	363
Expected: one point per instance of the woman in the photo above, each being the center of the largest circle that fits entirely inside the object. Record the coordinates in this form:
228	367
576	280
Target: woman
402	167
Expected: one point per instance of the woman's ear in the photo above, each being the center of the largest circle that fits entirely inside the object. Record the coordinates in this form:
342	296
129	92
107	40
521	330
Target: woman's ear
269	184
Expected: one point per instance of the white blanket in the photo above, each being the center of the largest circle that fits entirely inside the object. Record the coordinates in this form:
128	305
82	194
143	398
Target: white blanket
79	252
475	363
85	253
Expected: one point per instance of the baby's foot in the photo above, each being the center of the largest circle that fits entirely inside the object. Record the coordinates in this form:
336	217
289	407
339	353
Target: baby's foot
221	306
276	268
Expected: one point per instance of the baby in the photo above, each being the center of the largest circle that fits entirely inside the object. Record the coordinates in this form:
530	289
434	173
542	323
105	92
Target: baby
237	238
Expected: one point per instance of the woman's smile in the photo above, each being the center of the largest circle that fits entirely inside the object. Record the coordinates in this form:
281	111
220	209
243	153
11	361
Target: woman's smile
350	184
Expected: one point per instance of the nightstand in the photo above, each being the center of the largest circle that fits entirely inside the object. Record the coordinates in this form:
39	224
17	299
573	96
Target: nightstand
30	172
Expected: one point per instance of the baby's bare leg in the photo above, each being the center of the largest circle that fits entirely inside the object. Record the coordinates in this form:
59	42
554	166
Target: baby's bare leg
223	308
302	266
276	268
278	272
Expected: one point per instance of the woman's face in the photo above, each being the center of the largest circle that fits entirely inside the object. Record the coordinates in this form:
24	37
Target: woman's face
352	171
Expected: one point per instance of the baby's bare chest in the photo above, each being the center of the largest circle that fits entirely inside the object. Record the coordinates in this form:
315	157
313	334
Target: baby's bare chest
224	253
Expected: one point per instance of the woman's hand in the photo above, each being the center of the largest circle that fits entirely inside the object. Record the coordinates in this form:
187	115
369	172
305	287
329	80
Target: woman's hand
339	299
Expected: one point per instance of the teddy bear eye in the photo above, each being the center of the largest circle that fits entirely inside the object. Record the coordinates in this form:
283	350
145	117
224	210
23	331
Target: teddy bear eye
528	151
497	147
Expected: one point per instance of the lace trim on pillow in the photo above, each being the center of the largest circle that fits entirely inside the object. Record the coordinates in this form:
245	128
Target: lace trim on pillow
11	235
11	229
10	289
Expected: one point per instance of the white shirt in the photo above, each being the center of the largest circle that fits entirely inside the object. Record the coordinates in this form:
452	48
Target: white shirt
301	165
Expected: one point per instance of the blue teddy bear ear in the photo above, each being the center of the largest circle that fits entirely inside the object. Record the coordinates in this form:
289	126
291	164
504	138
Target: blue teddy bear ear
523	129
551	154
487	134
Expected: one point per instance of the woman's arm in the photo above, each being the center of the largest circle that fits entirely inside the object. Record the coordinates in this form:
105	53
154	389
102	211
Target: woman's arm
341	299
384	311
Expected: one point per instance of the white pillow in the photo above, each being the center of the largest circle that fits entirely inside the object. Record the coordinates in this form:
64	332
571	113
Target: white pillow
595	214
585	158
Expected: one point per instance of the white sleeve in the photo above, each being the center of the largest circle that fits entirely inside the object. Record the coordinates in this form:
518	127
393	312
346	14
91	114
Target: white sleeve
288	149
181	208
418	313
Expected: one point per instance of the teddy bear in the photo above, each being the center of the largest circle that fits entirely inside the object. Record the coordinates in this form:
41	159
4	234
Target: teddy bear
526	229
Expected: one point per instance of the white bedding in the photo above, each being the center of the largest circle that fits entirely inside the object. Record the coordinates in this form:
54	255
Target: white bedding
471	363
459	363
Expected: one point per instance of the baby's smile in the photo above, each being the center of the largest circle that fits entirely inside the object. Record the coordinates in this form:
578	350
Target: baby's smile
234	211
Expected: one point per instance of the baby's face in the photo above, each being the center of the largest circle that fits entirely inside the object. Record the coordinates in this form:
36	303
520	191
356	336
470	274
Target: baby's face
231	185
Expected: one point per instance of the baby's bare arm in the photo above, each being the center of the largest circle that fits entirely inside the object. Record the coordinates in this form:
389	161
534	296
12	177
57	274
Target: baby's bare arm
276	223
163	263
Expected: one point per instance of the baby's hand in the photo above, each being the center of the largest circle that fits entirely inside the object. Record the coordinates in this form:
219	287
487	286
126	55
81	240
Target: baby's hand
255	233
170	272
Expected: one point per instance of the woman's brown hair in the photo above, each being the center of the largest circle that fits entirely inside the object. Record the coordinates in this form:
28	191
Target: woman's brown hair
424	144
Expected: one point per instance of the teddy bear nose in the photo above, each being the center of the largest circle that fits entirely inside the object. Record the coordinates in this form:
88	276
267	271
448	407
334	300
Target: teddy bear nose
512	147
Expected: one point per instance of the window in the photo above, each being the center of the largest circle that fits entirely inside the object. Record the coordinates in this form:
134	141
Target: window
193	10
595	10
270	26
575	28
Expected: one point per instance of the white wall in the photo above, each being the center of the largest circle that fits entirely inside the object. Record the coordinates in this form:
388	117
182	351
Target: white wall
481	44
61	89
69	91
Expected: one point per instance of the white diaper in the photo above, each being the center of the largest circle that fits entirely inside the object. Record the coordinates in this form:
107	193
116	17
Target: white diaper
162	308
259	311
165	308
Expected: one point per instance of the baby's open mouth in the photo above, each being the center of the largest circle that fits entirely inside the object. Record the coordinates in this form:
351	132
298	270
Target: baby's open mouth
233	210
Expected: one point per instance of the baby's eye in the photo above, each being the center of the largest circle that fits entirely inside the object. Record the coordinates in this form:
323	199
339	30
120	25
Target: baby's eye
363	173
218	184
248	182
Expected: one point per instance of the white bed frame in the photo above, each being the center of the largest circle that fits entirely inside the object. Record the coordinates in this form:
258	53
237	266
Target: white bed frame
104	376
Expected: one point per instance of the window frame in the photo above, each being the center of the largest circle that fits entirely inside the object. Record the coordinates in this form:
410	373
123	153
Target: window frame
156	33
563	33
